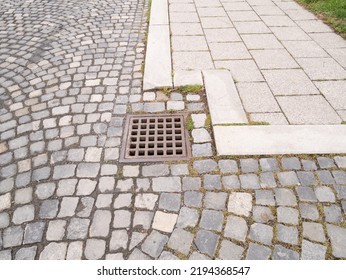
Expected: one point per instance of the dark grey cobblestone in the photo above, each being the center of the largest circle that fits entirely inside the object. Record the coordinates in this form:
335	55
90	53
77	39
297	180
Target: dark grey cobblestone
65	93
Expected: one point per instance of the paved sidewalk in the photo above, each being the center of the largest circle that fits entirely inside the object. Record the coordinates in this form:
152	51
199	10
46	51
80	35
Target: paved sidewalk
70	71
288	65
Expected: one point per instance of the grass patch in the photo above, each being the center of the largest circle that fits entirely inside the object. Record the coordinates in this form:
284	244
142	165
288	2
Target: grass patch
191	89
207	122
343	122
332	12
189	123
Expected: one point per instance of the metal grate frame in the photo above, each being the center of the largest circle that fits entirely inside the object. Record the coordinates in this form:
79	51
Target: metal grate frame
149	138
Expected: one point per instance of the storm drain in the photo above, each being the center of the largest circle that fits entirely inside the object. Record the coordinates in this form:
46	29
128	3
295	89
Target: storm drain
155	138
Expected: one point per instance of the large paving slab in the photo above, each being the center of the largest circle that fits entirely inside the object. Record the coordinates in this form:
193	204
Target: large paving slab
223	99
278	43
158	62
280	139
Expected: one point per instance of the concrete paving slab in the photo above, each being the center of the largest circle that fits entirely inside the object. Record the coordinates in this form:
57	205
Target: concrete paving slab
313	26
223	99
289	5
260	3
159	12
342	114
334	92
322	68
222	35
243	16
186	29
251	27
278	21
182	7
192	61
271	118
273	59
289	82
189	43
180	17
237	6
290	33
216	22
280	139
304	49
300	14
329	40
339	55
211	12
233	50
257	98
158	65
261	41
184	78
242	70
307	110
207	3
268	11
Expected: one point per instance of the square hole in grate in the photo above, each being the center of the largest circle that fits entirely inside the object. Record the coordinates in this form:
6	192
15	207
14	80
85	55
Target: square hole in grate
155	138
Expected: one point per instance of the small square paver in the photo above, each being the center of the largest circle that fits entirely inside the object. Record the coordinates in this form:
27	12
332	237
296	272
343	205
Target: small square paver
240	203
242	70
258	252
273	59
232	50
257	98
230	251
236	228
322	68
181	241
164	221
307	110
222	35
261	233
215	201
249	165
261	41
212	220
289	82
192	60
314	232
189	43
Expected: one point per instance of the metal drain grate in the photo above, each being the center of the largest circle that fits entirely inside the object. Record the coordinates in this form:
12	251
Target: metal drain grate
154	138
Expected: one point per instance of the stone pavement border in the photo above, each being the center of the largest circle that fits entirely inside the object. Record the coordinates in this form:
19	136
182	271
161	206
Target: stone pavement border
158	64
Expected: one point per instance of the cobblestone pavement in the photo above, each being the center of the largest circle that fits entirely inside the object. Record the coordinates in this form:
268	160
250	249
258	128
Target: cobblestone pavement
70	71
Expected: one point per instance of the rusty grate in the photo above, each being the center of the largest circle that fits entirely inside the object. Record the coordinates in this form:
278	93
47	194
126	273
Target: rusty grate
155	138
